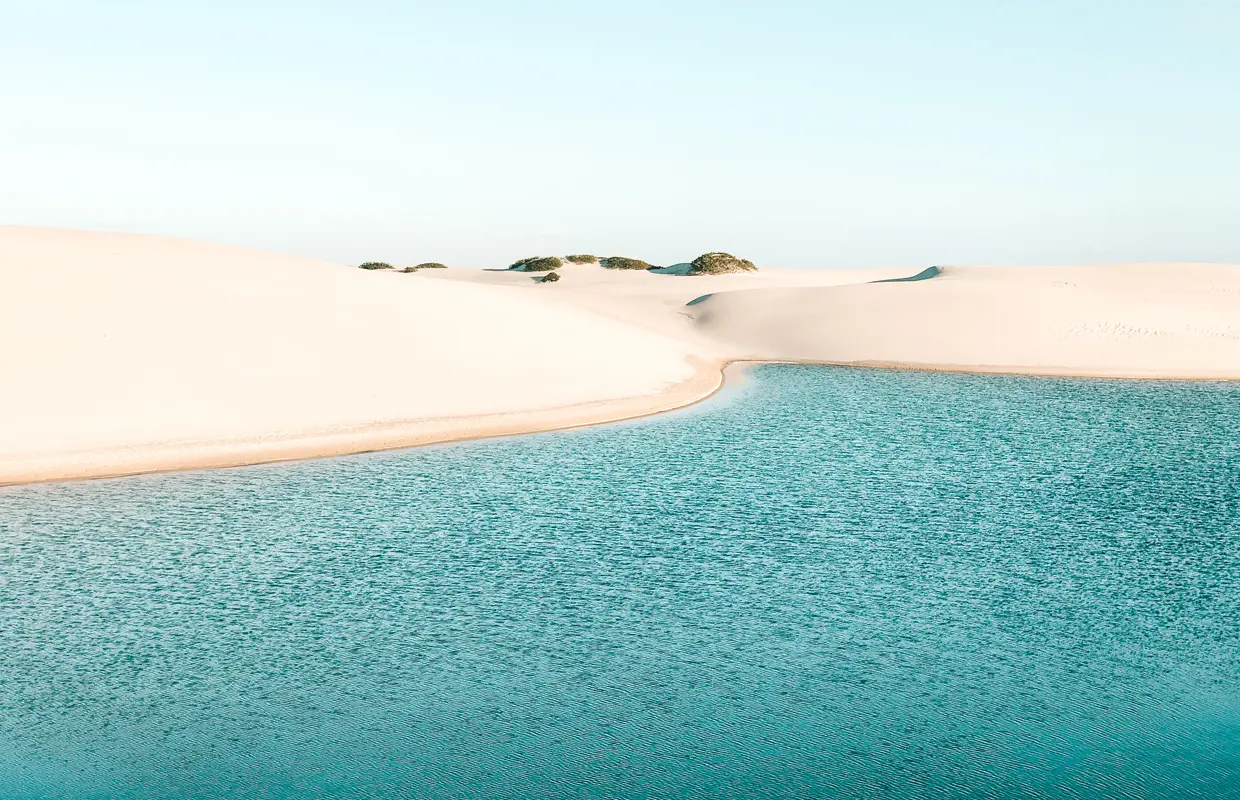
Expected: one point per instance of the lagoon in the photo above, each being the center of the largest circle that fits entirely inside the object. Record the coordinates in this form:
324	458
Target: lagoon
826	582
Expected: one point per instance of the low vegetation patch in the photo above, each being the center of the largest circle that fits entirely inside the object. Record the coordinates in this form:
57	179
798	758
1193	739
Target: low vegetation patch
550	277
581	258
430	265
720	264
376	265
542	264
620	262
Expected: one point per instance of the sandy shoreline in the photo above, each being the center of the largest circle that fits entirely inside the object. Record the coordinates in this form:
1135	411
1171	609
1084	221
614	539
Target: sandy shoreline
708	380
137	354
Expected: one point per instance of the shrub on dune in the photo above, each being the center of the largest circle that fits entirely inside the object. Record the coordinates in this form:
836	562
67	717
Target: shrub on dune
581	258
720	264
620	262
550	277
544	264
427	265
375	265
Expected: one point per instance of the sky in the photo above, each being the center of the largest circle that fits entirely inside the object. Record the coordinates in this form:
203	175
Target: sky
884	133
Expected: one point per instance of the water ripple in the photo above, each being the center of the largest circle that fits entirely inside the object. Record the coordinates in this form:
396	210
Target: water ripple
831	583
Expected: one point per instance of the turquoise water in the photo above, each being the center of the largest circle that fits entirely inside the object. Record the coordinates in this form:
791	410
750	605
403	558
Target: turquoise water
827	583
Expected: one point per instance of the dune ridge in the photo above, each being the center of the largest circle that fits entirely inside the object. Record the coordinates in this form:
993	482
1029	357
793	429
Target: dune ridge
132	354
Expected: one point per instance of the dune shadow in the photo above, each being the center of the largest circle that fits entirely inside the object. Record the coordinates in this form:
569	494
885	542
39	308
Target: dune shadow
674	269
925	275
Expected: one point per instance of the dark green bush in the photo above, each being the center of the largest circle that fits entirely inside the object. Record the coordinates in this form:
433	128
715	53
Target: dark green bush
545	264
521	264
720	264
375	265
619	262
430	265
550	277
581	258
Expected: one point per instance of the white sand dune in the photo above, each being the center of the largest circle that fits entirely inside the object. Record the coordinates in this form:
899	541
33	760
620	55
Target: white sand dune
135	353
130	353
1135	320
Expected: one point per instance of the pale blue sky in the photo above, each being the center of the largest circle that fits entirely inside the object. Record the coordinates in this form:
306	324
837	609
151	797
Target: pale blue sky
881	133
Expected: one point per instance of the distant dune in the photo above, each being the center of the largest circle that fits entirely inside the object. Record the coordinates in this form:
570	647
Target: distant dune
1133	320
135	353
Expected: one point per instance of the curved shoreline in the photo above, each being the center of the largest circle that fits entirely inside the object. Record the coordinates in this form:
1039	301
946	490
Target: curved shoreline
707	381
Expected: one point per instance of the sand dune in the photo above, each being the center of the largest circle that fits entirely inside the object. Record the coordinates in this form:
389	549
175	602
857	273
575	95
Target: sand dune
658	302
127	353
1138	320
134	353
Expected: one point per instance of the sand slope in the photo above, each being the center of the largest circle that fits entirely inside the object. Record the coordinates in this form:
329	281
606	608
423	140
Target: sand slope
657	302
1137	320
126	353
133	353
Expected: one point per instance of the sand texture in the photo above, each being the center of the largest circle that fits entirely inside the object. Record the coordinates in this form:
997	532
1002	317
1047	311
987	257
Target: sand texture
1127	320
129	354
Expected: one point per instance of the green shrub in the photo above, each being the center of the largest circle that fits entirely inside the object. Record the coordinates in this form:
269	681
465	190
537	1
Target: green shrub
375	265
581	259
430	265
720	264
619	262
521	264
544	264
550	277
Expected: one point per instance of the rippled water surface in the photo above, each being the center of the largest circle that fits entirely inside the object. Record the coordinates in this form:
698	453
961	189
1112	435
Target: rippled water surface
828	583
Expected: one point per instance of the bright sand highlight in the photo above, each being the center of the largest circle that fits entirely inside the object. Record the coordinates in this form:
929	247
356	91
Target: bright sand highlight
131	353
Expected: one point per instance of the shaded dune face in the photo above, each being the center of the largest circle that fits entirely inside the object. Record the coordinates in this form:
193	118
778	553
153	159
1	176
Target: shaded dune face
925	275
1156	320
